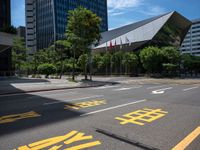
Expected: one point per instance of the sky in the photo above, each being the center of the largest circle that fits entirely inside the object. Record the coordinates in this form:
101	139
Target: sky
123	12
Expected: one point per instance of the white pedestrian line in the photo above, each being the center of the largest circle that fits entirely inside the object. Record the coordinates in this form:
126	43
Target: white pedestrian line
154	87
105	87
191	88
114	107
77	99
161	91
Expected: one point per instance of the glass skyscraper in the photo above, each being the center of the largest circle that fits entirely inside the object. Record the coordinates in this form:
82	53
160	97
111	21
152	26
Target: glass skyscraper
46	20
5	18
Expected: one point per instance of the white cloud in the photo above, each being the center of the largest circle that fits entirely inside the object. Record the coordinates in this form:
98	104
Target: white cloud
119	7
152	10
116	13
122	4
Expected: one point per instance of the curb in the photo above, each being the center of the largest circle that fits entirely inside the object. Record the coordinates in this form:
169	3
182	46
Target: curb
53	89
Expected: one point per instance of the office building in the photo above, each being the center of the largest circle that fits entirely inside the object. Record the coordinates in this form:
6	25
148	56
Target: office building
5	18
46	20
164	30
191	43
5	39
21	32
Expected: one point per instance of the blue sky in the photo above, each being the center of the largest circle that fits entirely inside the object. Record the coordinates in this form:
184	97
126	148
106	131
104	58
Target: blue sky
122	12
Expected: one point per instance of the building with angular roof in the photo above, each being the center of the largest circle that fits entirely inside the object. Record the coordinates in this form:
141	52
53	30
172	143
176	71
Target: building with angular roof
163	30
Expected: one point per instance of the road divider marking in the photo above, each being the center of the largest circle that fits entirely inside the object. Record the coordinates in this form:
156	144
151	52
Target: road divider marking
86	104
76	99
188	140
191	88
16	117
140	116
161	91
71	141
114	107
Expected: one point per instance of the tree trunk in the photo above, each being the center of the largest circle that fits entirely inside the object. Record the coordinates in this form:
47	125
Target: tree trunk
62	66
85	70
73	69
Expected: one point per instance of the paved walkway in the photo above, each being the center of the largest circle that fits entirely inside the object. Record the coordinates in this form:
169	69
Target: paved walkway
20	85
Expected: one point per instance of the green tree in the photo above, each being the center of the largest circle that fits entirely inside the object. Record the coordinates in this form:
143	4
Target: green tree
19	53
152	59
47	69
47	55
117	61
169	69
62	46
171	54
83	62
97	62
130	61
83	30
106	61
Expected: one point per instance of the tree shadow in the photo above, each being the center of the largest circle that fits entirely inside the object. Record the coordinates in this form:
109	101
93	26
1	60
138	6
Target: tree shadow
30	110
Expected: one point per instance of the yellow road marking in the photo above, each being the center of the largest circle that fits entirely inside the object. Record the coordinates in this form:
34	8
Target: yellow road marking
187	140
67	139
85	104
82	146
140	116
15	117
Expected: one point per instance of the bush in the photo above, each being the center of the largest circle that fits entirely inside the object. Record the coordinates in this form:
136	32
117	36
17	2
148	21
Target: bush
152	59
171	55
169	69
47	69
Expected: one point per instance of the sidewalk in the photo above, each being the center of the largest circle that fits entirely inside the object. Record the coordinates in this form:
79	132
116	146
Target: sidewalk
28	85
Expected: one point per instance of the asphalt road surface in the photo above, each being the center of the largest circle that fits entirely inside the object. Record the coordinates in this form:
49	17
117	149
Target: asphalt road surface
122	116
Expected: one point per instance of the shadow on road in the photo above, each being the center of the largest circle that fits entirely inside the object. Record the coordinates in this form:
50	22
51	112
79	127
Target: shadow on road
29	111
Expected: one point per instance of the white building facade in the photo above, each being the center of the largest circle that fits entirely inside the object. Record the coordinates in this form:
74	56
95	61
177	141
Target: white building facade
191	43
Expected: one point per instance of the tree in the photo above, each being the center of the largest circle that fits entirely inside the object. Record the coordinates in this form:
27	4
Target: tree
83	30
97	61
152	59
171	55
170	69
18	53
47	55
83	62
106	60
47	69
117	60
190	63
61	47
130	61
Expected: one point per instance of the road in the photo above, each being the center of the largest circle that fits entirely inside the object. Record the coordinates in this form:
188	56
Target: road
113	117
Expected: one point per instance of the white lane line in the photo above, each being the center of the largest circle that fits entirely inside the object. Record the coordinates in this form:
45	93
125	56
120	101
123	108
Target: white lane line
161	91
105	87
114	107
77	99
127	88
191	88
154	87
121	89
